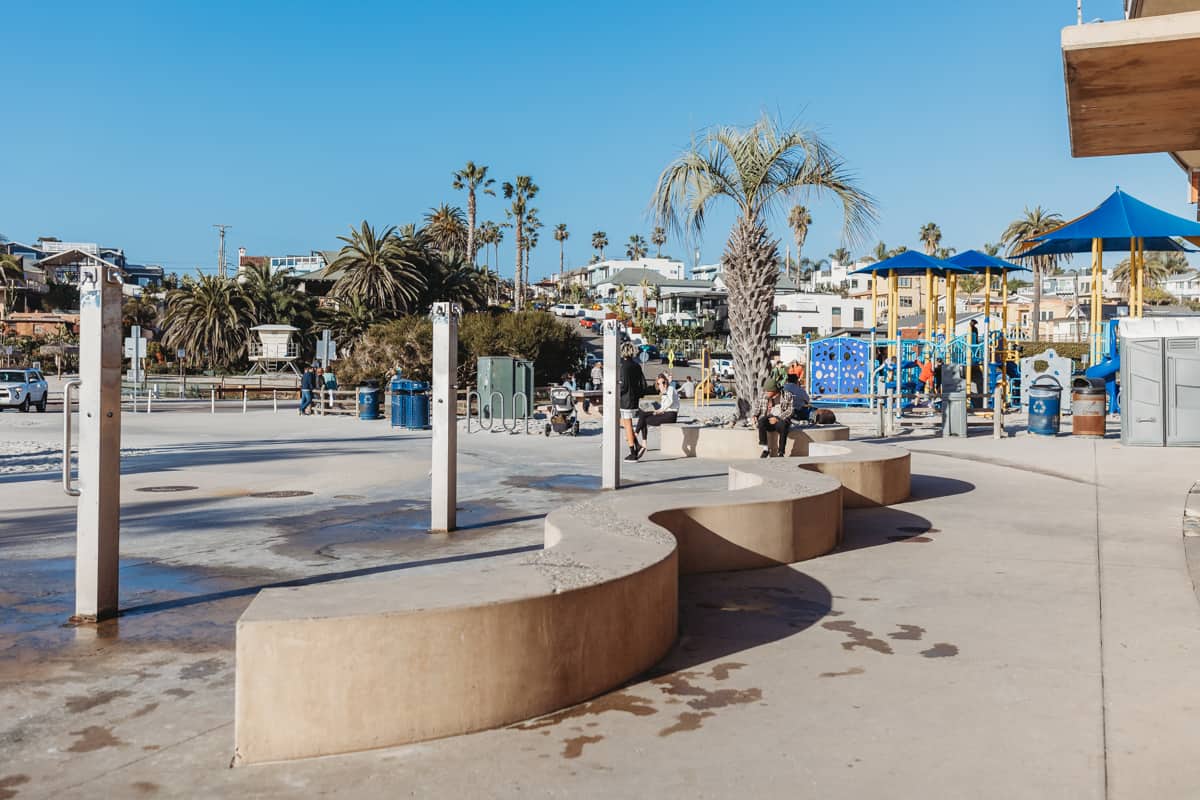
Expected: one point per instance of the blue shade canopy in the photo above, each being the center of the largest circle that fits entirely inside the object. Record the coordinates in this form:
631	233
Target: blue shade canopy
979	263
1118	219
1061	247
912	262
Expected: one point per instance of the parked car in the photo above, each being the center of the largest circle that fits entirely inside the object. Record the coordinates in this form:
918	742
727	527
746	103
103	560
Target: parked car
21	388
590	324
723	367
566	310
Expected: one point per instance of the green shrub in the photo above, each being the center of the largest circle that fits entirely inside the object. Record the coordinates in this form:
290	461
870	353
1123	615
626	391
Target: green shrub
554	347
1076	351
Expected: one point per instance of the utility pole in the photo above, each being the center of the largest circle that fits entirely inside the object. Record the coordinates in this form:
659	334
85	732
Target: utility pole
221	254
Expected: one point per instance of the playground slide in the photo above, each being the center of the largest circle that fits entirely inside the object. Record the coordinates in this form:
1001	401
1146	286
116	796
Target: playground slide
1107	371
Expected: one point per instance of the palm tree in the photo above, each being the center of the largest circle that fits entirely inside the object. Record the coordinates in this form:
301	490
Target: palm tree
658	237
756	169
382	271
799	221
532	224
349	323
520	193
561	234
970	284
599	242
807	266
1033	223
944	252
1158	267
206	317
450	277
841	256
636	247
140	310
12	274
991	249
930	235
446	229
473	178
271	298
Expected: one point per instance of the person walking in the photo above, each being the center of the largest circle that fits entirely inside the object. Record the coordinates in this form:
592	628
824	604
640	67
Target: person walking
598	375
666	409
773	412
632	383
308	382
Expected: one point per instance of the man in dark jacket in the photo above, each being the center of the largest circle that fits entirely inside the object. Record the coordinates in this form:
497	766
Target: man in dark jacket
632	385
308	382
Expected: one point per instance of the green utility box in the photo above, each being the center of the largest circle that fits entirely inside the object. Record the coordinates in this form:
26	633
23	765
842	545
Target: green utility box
506	383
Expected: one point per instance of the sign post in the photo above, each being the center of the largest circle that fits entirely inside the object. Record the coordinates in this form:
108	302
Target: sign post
444	491
326	349
610	445
135	350
97	530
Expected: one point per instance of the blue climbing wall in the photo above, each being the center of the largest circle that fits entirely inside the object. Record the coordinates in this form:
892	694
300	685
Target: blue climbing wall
841	366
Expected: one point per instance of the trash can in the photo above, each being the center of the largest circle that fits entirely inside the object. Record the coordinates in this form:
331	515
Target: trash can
368	400
954	414
1089	403
1045	398
410	403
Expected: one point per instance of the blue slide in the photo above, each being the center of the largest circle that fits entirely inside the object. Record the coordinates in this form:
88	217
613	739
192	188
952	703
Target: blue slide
1108	369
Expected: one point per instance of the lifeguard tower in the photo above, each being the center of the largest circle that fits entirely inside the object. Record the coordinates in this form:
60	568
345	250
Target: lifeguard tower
273	351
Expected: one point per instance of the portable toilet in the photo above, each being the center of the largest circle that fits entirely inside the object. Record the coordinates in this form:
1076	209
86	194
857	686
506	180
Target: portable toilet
1160	381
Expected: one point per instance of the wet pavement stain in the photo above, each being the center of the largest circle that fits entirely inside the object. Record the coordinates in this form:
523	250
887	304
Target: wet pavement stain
573	748
201	669
144	710
167	489
180	693
726	697
910	632
721	671
93	737
909	539
859	637
851	671
687	721
80	703
557	483
868	599
617	701
145	787
941	650
8	782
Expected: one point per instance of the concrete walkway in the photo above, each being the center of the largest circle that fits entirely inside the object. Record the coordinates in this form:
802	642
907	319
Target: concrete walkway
1025	626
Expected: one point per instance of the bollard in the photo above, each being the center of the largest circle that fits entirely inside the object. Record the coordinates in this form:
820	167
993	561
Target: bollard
879	417
133	398
149	398
275	401
889	429
998	412
212	401
244	393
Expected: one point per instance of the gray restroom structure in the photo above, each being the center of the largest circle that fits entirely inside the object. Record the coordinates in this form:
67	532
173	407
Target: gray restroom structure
1160	381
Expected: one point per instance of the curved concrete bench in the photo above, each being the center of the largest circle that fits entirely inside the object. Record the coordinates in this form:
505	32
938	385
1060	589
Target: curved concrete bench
397	658
701	441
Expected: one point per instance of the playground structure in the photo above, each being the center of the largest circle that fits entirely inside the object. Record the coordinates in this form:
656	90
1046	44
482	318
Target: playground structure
843	370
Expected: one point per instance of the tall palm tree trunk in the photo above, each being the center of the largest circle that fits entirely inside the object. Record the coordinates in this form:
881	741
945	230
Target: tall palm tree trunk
471	225
519	298
560	261
1035	321
750	261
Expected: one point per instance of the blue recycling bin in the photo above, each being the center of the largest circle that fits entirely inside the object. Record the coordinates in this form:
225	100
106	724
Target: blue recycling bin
1045	404
410	403
369	401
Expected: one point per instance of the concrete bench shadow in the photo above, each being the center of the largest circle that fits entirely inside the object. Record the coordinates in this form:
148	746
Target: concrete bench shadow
392	659
699	441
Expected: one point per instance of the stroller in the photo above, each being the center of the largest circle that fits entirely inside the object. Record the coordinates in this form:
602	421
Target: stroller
563	418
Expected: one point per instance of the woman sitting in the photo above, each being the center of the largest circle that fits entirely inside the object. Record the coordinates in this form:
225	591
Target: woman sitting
666	409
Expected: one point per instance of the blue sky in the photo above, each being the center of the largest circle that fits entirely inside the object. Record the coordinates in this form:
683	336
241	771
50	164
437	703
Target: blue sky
139	125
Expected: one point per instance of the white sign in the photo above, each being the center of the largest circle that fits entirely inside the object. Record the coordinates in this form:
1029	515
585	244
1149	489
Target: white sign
180	353
135	342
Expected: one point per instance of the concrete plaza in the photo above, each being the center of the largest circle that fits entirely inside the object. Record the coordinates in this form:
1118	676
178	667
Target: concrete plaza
1024	626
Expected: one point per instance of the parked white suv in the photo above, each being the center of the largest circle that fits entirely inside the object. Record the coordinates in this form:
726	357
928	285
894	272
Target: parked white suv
566	310
22	388
723	367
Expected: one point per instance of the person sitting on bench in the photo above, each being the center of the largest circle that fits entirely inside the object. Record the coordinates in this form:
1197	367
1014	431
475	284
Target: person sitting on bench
773	412
666	411
801	405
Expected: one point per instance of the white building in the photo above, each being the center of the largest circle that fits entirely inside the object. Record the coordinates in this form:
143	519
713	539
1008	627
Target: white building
644	286
1185	286
1064	285
801	314
604	271
838	278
